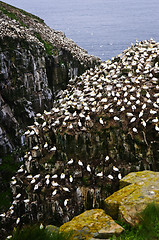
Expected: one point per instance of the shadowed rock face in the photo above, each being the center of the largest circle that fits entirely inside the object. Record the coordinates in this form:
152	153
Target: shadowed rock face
35	62
24	85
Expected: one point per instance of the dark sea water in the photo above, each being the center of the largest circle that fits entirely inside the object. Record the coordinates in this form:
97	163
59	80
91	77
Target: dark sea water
103	27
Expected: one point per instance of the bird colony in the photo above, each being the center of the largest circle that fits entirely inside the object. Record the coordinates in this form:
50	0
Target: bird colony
14	29
106	121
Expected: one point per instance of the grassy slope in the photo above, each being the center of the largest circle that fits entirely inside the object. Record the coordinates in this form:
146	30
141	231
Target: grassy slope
15	13
35	233
18	15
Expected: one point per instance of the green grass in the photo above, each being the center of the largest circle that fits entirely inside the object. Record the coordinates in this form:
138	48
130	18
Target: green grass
9	14
14	16
35	233
48	46
148	229
5	200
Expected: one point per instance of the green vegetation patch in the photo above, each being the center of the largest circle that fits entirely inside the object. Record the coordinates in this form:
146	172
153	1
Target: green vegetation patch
9	14
9	9
35	232
12	15
8	166
5	200
7	170
50	50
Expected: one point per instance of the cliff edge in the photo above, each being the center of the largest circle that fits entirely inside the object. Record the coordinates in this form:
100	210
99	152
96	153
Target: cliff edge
35	62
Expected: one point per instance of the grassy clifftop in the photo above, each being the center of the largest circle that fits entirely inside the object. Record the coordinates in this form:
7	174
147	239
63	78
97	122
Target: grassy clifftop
18	14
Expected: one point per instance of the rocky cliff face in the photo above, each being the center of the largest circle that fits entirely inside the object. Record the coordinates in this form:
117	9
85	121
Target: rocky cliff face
35	62
24	86
106	121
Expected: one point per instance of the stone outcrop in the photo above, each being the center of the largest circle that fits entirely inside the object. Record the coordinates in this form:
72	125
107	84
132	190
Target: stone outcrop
138	190
35	63
92	224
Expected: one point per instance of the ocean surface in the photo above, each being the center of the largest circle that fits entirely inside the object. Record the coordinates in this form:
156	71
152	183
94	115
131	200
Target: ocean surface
103	27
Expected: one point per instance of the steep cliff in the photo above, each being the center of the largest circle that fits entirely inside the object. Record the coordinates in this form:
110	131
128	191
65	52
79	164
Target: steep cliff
35	62
101	127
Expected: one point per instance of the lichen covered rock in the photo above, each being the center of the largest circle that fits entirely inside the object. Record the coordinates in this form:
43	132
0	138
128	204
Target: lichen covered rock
126	204
93	223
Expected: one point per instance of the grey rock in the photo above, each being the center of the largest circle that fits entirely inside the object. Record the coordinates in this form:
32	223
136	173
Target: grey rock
30	72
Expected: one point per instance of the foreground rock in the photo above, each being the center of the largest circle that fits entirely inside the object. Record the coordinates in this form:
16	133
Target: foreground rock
93	223
140	189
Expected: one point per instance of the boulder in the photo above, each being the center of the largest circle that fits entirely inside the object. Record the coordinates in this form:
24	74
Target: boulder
52	228
141	188
92	224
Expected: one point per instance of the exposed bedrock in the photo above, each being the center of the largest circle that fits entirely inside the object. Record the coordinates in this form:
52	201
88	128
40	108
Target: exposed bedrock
35	63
